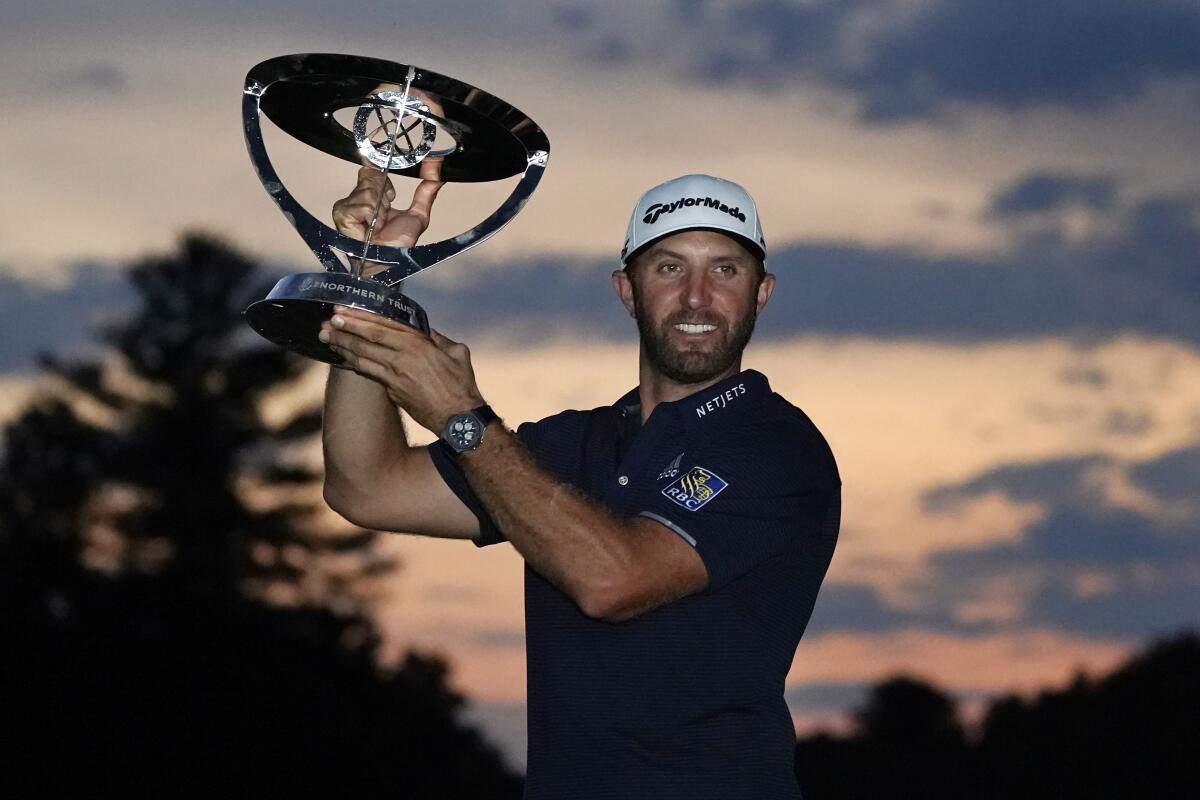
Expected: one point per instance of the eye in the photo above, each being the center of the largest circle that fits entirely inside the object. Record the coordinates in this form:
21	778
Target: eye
669	266
726	269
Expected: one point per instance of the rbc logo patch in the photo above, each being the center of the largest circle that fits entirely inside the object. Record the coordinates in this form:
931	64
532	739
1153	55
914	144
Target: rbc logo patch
695	488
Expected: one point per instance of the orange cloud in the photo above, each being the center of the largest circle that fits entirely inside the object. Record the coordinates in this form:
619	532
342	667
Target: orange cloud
1002	662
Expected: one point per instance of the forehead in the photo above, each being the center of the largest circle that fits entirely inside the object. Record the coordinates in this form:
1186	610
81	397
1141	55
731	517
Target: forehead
698	244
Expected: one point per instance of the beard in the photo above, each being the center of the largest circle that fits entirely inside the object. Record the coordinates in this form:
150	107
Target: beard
686	366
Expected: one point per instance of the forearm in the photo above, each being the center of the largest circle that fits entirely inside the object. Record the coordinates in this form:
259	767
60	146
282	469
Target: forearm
587	552
362	435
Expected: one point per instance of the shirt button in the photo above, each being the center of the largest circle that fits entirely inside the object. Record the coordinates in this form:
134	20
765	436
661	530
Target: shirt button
623	480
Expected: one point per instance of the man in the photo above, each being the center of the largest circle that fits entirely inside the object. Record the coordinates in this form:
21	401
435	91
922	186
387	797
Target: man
674	541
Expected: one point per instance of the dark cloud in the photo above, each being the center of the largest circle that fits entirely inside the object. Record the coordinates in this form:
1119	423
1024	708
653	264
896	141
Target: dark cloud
1174	476
1046	191
853	607
1095	567
1055	478
573	18
1077	538
91	79
375	23
1076	54
687	10
528	302
1129	609
900	60
858	608
904	62
611	50
1162	245
38	319
1142	278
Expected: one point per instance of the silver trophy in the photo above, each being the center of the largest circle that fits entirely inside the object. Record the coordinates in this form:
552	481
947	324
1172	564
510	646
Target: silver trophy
400	111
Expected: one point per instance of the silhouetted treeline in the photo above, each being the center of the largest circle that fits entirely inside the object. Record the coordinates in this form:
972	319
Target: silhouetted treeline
1133	733
174	618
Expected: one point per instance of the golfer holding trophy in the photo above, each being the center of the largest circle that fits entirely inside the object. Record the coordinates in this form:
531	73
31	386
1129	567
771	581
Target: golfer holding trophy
674	541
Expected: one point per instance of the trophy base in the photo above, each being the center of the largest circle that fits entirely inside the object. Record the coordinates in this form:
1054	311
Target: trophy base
291	315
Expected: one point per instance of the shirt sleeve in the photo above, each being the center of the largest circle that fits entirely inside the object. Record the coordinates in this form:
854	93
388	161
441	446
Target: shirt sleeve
739	510
447	465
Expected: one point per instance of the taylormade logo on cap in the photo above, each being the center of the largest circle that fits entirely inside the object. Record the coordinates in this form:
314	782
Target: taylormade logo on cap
694	202
658	209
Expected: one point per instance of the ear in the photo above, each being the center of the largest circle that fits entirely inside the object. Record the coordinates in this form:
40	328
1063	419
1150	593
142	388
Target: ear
765	289
624	289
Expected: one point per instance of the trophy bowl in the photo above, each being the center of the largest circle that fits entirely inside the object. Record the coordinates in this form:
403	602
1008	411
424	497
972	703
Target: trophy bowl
406	119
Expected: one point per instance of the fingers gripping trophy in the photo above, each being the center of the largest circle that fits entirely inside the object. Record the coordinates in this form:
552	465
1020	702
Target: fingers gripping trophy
407	121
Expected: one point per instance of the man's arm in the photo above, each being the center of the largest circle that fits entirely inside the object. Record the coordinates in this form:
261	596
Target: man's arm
373	477
612	567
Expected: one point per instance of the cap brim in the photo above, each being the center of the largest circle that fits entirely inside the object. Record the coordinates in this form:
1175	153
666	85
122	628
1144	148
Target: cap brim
754	247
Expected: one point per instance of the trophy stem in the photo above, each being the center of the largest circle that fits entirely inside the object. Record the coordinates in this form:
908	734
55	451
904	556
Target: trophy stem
386	168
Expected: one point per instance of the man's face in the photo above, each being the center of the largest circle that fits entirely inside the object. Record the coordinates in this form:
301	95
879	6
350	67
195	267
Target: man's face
695	296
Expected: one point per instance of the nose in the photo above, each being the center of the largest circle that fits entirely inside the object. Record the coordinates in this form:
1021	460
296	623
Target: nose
698	292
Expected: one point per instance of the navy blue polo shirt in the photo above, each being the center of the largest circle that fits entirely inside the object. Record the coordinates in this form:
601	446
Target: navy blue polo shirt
685	700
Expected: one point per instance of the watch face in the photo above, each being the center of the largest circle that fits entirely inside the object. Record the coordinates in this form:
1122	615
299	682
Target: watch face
463	431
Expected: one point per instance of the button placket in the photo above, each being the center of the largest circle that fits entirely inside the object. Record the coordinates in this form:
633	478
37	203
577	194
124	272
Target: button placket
636	459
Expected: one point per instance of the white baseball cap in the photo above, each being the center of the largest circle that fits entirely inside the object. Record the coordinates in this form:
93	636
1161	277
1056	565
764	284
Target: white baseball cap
694	202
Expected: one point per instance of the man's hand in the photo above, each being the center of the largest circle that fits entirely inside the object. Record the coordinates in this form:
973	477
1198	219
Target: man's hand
429	377
352	214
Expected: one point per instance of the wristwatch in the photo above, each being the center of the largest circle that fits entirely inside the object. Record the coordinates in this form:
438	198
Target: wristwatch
464	431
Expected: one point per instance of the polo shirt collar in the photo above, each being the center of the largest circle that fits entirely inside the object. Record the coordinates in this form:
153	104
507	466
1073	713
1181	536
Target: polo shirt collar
720	401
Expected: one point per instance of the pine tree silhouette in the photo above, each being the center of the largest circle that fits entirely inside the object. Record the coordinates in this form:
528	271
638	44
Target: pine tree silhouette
133	560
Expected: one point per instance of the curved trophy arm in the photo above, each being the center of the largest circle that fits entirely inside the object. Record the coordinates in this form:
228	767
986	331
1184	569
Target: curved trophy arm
402	262
423	256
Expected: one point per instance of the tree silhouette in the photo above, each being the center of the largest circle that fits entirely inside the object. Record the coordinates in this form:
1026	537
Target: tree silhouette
1133	733
148	508
908	731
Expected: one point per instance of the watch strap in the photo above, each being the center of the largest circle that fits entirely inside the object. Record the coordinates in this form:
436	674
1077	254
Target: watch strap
485	414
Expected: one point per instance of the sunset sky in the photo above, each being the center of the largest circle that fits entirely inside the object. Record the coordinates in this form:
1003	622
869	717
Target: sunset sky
984	218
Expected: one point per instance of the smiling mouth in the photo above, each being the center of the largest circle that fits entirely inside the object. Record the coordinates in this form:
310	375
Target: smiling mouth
689	327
